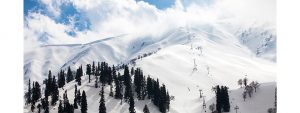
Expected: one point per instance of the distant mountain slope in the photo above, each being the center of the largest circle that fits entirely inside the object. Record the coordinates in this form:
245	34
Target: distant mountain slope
185	59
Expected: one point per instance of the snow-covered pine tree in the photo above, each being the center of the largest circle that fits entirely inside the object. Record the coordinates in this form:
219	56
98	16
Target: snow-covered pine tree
55	93
78	76
48	88
46	108
69	75
61	79
110	76
132	71
93	68
118	86
226	104
149	87
218	99
96	81
28	93
131	104
83	103
102	108
88	71
127	83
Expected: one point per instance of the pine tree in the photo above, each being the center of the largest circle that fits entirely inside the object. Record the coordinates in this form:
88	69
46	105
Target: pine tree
218	99
156	93
128	93
127	83
48	88
149	87
68	108
118	91
143	88
60	107
78	97
28	93
46	110
88	71
222	99
69	75
81	71
109	76
146	110
78	76
226	103
168	101
55	93
61	79
102	108
75	90
93	68
97	74
131	104
75	98
83	103
114	73
127	78
137	82
163	99
36	92
132	71
96	81
104	73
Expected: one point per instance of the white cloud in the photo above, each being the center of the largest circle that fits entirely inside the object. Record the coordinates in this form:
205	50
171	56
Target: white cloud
115	17
246	11
53	6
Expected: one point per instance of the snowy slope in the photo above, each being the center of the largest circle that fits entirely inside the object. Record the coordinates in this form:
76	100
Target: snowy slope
263	98
216	53
219	64
260	38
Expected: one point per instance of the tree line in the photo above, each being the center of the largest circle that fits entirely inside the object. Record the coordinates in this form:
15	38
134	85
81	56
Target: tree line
140	88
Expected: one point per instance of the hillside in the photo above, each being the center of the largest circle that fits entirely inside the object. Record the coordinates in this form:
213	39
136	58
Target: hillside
184	59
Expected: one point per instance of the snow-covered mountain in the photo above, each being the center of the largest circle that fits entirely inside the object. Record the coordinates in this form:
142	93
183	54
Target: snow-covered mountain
185	59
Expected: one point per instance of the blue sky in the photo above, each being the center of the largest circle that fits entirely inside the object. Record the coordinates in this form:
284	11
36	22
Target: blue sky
68	12
32	5
161	4
64	12
56	21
